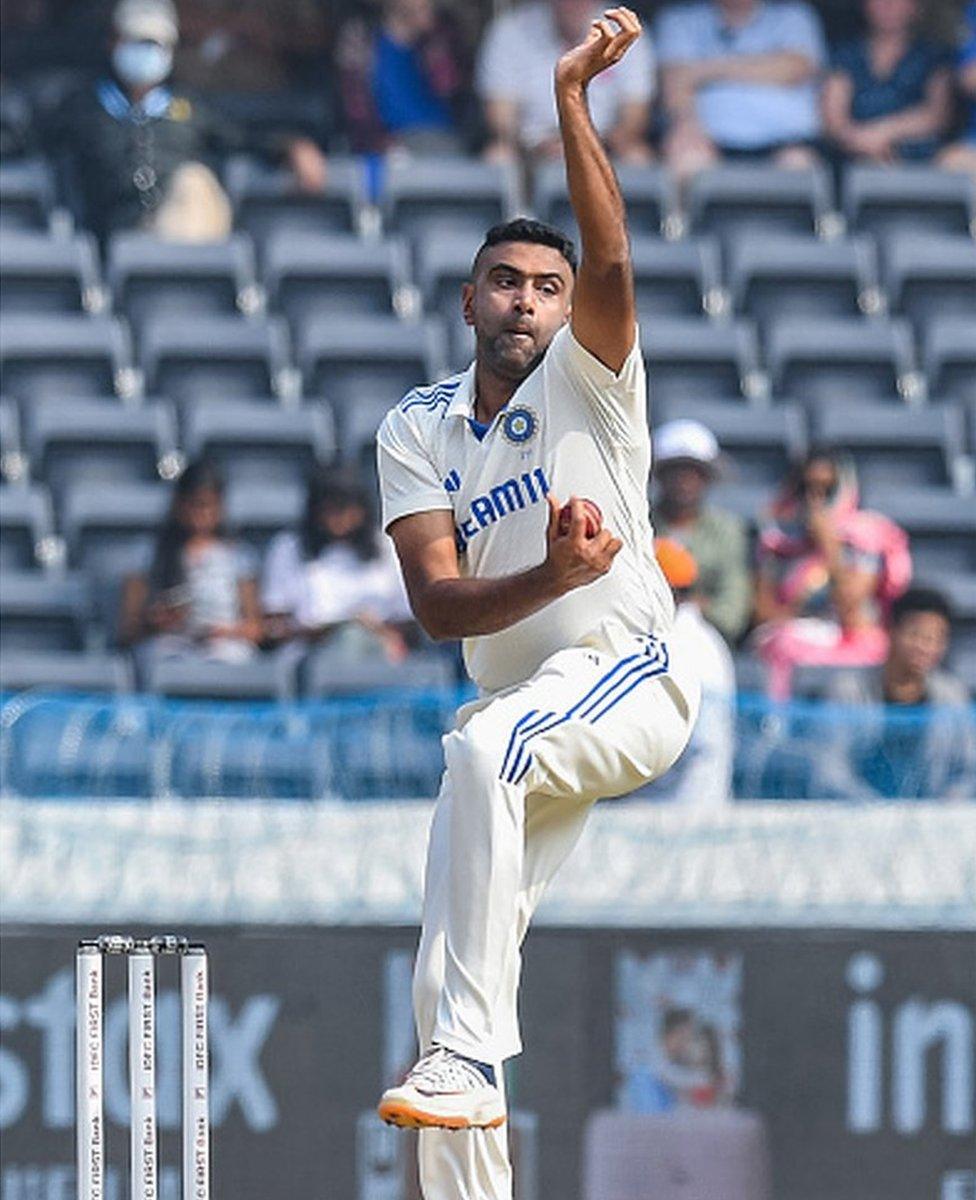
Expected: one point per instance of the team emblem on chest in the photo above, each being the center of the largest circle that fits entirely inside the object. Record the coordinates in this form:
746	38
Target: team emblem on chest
520	425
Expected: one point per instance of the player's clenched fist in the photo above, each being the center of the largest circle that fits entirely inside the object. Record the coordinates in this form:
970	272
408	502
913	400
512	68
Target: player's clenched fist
575	557
607	42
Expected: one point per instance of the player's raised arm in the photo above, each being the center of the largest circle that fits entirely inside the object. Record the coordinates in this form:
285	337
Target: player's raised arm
604	313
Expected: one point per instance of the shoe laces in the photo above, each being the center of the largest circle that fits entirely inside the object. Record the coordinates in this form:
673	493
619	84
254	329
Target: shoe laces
440	1070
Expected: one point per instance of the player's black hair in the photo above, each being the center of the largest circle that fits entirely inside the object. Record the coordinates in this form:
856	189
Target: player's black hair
167	564
340	489
525	229
920	600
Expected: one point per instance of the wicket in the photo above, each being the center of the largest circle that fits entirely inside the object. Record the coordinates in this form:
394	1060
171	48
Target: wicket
141	955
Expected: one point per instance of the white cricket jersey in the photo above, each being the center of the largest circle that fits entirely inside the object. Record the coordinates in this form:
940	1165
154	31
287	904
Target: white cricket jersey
573	427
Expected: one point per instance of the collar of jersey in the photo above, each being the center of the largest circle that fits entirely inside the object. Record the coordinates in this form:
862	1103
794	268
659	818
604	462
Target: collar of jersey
461	404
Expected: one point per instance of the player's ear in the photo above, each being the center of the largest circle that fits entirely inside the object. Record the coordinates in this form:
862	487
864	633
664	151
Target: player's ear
467	303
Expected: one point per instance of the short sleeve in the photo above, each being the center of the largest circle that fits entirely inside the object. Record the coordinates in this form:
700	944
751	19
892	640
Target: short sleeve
409	481
802	32
620	397
675	36
494	77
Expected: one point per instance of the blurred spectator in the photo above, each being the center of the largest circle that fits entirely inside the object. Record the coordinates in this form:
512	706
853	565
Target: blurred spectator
703	774
918	737
199	594
337	577
962	155
889	94
686	456
739	79
514	81
138	152
403	81
249	45
828	572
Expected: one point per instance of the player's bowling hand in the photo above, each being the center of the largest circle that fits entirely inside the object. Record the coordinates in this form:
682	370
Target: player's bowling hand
574	558
607	42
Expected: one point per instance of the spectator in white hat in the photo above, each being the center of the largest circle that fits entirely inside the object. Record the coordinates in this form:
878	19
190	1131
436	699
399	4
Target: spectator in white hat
686	460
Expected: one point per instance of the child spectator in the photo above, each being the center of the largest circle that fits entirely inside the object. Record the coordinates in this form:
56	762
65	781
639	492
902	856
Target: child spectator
888	95
403	82
514	81
917	737
961	156
686	457
739	79
336	577
828	572
199	593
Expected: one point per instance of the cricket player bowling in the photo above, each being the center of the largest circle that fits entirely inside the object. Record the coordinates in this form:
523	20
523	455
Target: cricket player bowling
566	621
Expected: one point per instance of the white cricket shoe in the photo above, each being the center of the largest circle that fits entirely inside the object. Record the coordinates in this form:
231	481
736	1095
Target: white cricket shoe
443	1091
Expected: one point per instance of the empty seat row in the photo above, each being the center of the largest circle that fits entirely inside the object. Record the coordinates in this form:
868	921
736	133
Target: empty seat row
313	274
376	360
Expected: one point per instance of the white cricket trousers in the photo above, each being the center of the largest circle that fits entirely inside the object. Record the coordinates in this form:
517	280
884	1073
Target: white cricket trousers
522	770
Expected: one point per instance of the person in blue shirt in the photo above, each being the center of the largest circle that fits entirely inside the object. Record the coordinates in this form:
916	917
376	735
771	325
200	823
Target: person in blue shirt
961	156
402	82
889	94
739	79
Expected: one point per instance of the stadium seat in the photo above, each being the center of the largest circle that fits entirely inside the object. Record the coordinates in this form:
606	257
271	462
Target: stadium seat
267	200
734	199
40	274
310	275
675	279
443	195
150	277
25	520
363	366
893	445
63	671
940	524
326	672
199	358
54	355
760	442
261	677
818	360
694	358
39	611
256	511
650	193
443	265
710	1154
111	531
894	199
26	194
100	442
949	355
927	276
777	273
260	443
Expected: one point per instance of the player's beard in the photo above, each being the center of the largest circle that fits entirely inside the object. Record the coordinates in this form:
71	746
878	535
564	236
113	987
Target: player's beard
511	358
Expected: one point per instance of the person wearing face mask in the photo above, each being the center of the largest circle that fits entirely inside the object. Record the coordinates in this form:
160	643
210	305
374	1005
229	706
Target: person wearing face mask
139	154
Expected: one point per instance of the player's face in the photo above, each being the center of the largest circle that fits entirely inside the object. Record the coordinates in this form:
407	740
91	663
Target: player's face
919	642
518	300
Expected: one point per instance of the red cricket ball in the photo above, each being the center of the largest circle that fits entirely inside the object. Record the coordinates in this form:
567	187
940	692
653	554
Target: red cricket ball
594	518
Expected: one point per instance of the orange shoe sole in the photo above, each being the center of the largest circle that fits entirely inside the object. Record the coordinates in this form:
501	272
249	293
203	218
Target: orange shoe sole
405	1116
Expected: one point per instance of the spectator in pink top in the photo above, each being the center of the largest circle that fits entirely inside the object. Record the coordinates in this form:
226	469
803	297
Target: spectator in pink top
828	572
